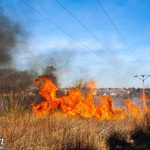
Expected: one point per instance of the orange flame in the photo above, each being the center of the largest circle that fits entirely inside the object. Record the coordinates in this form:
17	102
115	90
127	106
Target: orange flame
77	104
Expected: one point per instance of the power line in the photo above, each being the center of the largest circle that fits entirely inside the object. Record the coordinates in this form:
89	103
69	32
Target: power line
66	32
118	32
92	33
59	27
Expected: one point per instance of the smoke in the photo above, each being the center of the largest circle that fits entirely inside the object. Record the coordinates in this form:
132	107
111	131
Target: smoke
12	79
11	33
50	72
54	64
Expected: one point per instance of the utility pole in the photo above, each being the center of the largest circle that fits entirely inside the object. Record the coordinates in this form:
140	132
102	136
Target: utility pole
143	78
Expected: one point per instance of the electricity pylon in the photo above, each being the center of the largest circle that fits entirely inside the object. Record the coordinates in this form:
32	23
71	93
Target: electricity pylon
143	78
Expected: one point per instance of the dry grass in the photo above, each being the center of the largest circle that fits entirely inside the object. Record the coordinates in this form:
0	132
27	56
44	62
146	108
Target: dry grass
21	130
14	102
60	132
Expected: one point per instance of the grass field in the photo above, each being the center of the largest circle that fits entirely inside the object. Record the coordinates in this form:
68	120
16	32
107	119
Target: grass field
71	122
58	131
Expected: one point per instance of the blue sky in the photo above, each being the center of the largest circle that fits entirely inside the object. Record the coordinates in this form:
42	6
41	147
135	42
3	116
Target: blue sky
61	40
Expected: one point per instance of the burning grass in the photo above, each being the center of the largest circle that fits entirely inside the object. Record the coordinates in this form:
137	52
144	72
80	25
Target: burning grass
73	122
78	104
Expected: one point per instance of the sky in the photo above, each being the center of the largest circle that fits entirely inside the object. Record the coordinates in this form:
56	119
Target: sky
106	41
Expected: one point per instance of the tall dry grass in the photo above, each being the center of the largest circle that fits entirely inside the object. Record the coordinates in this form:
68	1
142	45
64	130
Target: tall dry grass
22	130
14	102
61	132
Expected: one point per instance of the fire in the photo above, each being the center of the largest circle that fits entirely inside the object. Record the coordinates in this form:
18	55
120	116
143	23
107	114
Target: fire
76	103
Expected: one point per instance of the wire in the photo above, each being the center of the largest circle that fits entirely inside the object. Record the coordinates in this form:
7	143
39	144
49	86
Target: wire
92	34
118	32
66	32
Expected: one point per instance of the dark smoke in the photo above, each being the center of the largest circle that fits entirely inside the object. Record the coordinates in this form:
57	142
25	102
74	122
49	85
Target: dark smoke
10	34
14	80
49	72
